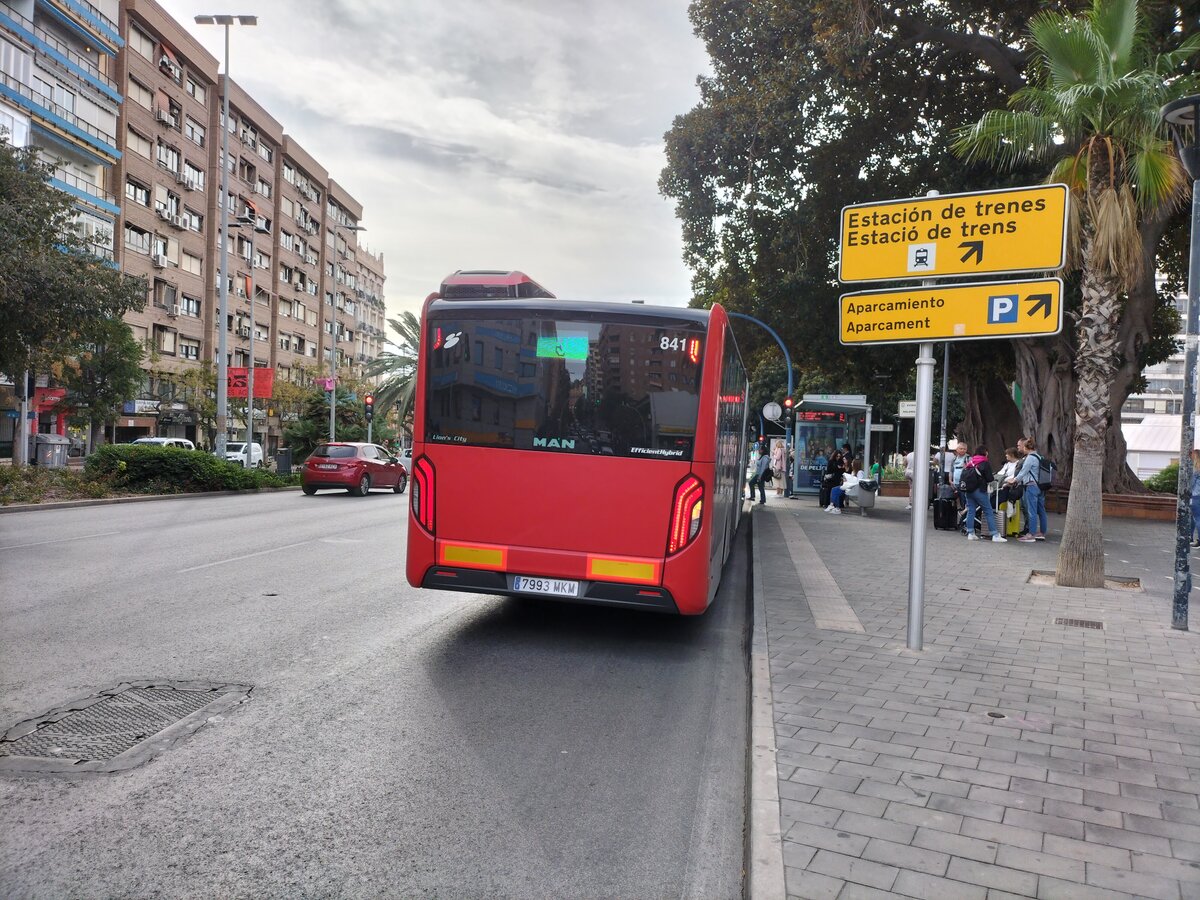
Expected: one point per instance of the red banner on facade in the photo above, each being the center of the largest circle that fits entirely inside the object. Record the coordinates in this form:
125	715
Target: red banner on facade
239	378
47	398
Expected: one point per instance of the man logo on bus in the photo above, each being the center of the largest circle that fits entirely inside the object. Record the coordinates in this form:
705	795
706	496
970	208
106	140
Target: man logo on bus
563	444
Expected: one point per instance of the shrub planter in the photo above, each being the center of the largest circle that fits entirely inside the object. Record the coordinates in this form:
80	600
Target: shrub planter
893	488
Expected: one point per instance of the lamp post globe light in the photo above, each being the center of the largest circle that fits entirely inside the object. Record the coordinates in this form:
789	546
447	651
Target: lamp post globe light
1182	118
223	314
333	349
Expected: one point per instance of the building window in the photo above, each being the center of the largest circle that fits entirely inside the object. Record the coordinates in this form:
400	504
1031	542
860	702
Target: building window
193	176
139	144
196	91
141	42
164	339
137	193
137	239
164	294
189	349
190	306
140	94
194	131
265	152
193	220
168	158
289	174
191	264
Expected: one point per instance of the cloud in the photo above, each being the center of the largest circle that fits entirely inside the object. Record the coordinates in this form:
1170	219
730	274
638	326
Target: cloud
512	134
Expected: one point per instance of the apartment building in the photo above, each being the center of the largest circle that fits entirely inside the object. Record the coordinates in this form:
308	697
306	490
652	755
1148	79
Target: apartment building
289	224
58	94
372	317
168	197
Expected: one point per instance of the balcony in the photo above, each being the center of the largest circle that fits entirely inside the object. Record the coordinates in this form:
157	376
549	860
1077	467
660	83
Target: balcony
43	107
59	51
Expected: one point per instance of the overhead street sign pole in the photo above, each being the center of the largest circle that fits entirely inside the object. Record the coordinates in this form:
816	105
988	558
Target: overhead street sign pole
982	233
952	312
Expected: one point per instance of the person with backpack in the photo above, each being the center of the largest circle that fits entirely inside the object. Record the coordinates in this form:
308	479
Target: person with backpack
1036	474
973	481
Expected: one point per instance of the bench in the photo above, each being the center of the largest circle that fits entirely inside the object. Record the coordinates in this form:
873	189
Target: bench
864	501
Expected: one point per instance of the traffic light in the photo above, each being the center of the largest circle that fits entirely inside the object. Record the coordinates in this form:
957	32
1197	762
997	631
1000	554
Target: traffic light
788	403
369	406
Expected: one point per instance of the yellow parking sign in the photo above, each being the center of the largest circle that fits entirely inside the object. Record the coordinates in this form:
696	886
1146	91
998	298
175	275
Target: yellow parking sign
997	309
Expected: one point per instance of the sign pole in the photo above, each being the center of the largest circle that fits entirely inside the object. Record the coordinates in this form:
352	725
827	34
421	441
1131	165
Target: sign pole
916	551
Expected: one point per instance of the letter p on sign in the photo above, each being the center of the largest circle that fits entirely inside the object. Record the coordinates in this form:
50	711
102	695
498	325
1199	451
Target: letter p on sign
1002	308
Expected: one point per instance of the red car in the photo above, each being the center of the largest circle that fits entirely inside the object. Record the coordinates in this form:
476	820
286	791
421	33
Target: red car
353	466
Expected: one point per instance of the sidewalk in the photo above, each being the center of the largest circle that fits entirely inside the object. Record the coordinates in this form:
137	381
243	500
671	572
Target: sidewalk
1012	756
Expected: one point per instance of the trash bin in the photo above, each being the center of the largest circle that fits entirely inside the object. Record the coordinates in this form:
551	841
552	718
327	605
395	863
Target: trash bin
283	461
50	450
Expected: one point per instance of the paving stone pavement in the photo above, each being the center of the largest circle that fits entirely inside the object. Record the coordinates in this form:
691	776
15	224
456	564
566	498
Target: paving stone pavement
894	780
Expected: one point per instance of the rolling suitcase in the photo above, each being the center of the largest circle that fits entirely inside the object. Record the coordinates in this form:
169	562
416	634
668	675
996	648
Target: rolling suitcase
945	514
1012	527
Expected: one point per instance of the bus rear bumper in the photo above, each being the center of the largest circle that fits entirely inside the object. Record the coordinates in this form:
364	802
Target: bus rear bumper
598	593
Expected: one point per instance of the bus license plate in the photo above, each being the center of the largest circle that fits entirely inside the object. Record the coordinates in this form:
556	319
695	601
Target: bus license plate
555	586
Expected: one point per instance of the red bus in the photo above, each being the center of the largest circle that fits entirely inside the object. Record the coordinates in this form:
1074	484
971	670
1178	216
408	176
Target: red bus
591	452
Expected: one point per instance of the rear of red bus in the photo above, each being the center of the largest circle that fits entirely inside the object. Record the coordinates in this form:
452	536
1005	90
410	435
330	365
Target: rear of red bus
582	451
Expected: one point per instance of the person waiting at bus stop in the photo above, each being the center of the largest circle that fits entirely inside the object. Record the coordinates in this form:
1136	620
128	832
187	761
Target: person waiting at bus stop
762	472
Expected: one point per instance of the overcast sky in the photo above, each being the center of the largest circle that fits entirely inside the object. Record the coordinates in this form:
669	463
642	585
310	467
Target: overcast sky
506	134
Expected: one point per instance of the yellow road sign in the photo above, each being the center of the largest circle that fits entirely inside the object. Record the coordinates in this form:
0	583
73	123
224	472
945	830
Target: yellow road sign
984	233
953	312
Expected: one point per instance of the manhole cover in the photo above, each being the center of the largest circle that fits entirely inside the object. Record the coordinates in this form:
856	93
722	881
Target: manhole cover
1080	623
115	729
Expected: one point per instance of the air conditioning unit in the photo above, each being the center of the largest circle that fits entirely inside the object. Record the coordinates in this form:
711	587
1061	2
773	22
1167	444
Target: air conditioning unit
163	213
178	221
244	331
188	184
158	261
161	115
174	311
241	292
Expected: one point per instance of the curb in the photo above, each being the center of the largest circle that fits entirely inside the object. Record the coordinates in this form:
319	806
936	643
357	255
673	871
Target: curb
765	876
109	501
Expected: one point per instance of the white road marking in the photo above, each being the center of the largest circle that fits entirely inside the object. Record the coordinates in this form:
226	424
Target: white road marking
221	562
82	537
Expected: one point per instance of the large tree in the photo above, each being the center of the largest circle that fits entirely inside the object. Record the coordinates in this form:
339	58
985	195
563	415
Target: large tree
815	104
100	371
52	283
1091	107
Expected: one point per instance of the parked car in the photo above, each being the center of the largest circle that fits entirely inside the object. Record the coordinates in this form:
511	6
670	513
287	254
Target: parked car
235	451
355	467
177	443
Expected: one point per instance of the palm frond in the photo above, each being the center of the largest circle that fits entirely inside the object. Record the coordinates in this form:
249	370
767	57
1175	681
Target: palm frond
1067	49
1157	175
1115	22
1115	245
1007	137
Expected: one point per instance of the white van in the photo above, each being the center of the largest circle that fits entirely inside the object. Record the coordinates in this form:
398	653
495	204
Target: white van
177	443
235	451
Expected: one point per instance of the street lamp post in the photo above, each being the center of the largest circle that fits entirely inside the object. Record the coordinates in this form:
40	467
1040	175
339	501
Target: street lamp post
333	349
253	224
1182	118
223	313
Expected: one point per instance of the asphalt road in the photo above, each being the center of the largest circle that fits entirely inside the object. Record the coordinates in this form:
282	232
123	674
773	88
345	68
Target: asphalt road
396	742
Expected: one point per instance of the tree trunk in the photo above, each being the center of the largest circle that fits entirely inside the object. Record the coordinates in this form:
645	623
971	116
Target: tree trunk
991	417
1081	555
1048	387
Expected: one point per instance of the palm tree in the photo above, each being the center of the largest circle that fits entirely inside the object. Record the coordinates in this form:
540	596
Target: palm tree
1091	106
400	368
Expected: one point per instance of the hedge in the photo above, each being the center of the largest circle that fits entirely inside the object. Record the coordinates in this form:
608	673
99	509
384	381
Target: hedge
142	468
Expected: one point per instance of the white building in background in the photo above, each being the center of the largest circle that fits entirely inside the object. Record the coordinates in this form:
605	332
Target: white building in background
1164	384
1153	443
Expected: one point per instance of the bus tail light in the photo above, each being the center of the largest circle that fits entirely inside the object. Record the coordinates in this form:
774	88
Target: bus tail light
422	492
686	509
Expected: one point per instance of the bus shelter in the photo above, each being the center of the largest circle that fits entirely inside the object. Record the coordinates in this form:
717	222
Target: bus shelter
824	423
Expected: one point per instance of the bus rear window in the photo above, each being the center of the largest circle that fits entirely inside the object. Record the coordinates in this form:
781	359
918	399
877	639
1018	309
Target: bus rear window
613	388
